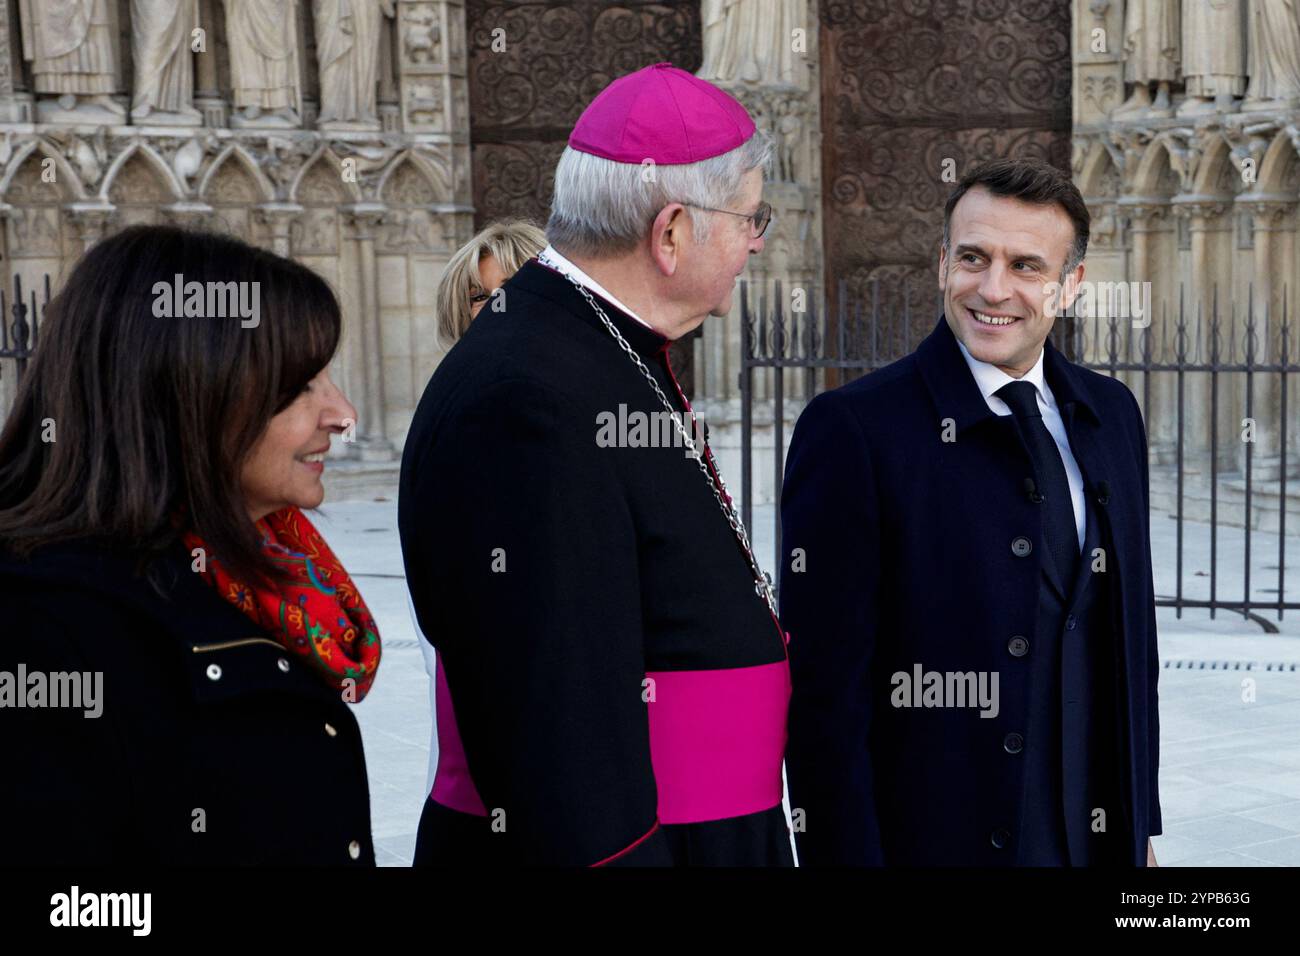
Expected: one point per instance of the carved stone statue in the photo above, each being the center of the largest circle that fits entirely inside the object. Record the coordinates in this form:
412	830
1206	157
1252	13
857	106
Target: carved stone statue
161	33
347	47
263	42
1151	55
1274	55
788	126
752	41
720	53
72	45
1214	55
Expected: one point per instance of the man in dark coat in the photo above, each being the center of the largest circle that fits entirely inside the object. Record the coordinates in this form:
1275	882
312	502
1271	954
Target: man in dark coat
967	575
612	679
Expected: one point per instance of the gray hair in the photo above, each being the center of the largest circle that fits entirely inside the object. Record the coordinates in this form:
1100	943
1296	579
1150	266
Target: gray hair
601	207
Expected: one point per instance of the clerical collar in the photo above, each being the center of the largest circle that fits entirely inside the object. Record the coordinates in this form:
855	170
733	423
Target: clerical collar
550	256
990	378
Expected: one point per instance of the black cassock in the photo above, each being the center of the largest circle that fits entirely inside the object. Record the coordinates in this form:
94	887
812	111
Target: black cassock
611	688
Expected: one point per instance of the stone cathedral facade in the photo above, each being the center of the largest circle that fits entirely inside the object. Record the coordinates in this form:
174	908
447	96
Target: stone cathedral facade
369	139
339	132
1186	127
332	131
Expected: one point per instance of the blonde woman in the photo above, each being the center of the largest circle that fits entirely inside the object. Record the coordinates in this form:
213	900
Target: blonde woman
478	269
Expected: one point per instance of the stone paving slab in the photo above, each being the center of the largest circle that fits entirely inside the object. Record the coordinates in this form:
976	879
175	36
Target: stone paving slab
1230	760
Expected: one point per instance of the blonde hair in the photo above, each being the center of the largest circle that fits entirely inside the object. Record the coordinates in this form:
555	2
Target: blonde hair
512	242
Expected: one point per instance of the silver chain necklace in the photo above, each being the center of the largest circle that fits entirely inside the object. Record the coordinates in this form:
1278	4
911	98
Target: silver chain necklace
762	581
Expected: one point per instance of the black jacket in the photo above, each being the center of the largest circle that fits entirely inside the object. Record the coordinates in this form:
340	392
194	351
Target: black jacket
556	577
211	748
909	557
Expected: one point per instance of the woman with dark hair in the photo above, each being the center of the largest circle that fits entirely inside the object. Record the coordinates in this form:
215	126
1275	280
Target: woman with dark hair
180	643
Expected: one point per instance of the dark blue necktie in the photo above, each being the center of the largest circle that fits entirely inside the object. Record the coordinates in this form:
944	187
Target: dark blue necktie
1059	530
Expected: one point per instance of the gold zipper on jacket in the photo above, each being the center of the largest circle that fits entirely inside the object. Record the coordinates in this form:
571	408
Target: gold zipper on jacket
223	645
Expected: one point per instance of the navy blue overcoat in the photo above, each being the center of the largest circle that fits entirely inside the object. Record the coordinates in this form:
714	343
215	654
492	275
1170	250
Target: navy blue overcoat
904	494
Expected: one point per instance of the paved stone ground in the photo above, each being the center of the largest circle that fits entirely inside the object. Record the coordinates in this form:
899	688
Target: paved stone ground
1230	765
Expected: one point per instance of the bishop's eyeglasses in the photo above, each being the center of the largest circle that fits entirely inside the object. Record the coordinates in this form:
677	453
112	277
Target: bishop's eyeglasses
757	221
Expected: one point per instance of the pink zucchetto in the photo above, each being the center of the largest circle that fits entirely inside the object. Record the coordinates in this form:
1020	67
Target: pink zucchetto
663	114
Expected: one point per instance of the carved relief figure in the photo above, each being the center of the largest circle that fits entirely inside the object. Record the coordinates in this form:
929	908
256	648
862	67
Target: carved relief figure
264	61
789	130
1274	55
347	46
1151	55
164	64
1214	55
72	46
752	41
421	35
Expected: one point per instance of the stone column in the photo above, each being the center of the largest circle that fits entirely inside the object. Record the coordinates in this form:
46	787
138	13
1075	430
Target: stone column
15	106
278	217
432	65
1273	222
763	66
90	221
1107	254
1204	216
1149	221
1098	60
207	88
188	214
389	100
373	442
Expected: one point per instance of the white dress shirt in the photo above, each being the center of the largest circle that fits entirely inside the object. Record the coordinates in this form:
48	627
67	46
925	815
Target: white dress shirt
990	378
562	265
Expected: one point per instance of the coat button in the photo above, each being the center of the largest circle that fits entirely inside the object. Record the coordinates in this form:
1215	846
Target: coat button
283	665
1070	622
1013	743
354	850
1018	646
1000	837
214	672
1021	546
329	729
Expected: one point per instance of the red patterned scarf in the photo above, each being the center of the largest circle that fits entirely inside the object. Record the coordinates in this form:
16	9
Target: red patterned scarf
318	614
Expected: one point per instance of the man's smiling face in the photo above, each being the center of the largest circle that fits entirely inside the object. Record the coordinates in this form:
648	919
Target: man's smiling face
1004	259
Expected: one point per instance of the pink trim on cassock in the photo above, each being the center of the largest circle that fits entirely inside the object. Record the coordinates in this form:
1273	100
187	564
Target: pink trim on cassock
717	739
452	785
630	847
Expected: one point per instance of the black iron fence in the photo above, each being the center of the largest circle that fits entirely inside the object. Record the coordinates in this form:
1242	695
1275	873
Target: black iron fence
19	335
1203	359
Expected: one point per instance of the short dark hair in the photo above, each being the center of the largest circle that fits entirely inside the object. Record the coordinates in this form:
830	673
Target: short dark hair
1029	181
156	416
